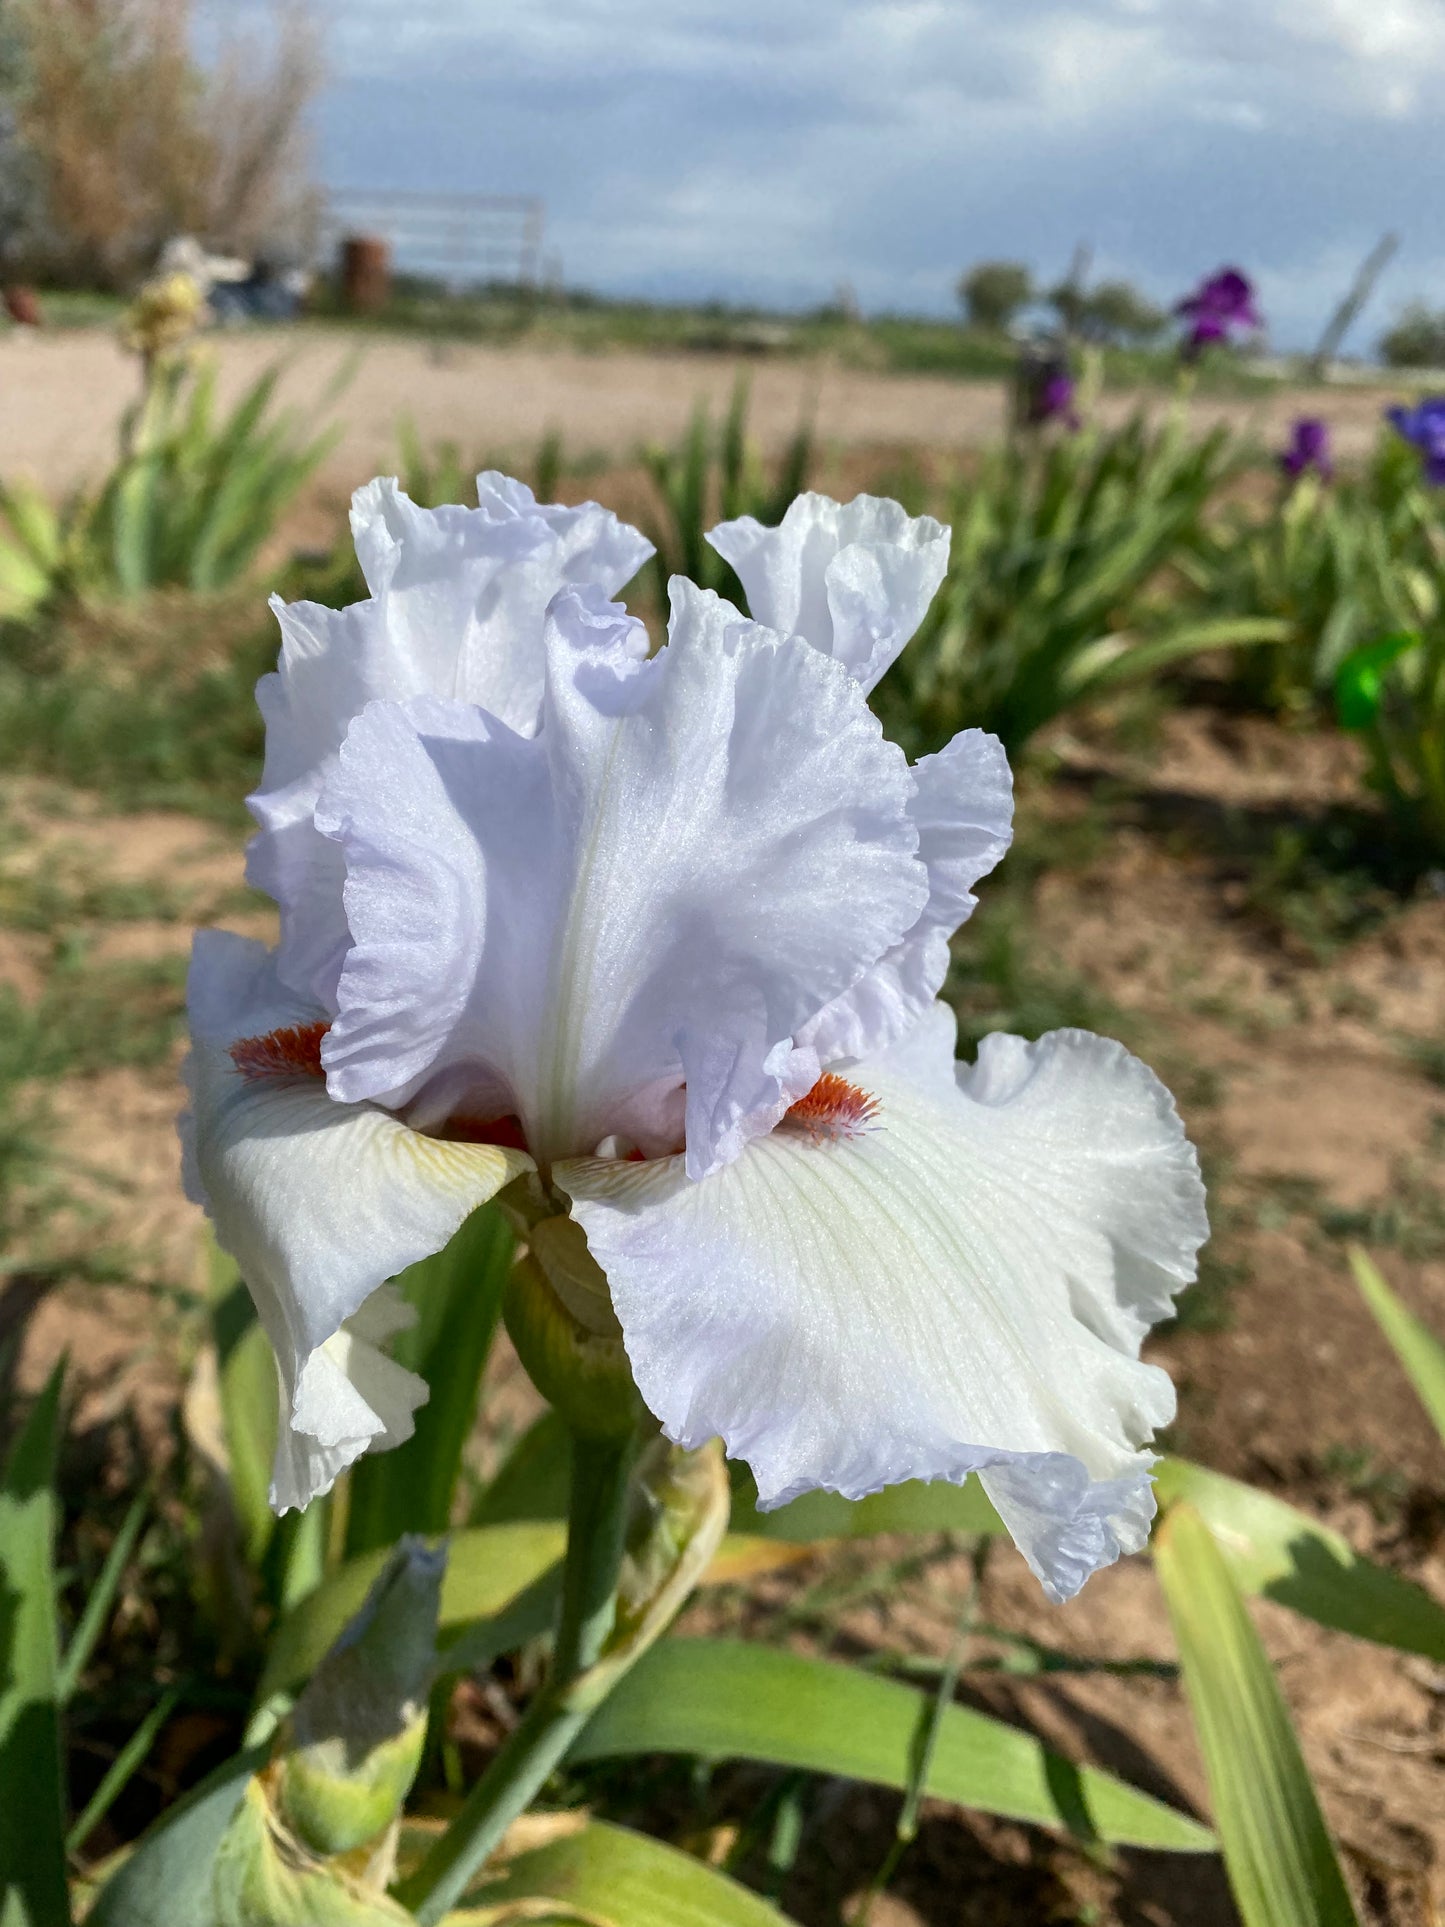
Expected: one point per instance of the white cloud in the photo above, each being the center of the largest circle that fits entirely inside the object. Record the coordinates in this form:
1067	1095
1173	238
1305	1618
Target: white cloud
1410	31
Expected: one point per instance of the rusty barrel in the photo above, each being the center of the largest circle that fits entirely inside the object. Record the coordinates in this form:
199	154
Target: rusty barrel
365	272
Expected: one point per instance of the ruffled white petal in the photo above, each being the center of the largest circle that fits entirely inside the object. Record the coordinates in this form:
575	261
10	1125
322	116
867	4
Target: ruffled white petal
320	1204
964	816
465	590
694	854
961	1287
458	598
853	578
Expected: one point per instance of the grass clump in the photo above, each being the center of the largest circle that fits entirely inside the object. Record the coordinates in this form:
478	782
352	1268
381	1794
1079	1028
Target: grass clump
1319	886
1054	596
192	499
152	707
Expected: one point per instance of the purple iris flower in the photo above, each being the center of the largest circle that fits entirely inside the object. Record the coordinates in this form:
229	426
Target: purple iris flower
1052	400
1424	425
1220	304
1308	448
1046	390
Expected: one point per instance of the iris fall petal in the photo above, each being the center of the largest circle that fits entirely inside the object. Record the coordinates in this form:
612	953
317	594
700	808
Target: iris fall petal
320	1204
960	1285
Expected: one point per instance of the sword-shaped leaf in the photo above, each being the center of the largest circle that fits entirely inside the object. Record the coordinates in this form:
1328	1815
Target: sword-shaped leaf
605	1873
1415	1345
1272	1548
32	1787
722	1699
1281	1861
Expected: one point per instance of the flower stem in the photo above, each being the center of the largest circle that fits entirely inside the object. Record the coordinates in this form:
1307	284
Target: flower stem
596	1530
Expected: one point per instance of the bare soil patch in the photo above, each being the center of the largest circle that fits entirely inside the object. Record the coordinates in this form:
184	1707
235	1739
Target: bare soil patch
62	396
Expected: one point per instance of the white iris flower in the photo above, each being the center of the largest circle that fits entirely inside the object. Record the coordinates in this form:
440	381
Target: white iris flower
668	933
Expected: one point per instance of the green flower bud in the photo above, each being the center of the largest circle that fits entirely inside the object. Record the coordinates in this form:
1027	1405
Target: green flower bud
355	1735
559	1314
313	1843
264	1877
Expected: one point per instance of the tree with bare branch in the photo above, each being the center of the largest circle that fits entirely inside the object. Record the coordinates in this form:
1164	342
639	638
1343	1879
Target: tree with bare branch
113	137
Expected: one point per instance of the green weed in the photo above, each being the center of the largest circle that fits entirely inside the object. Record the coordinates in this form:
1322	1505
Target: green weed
150	708
1316	887
189	503
1053	597
56	895
1208	1304
1429	1054
1355	1468
96	1016
1000	980
1410	1219
1001	976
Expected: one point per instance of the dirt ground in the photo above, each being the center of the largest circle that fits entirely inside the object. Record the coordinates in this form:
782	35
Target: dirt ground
62	396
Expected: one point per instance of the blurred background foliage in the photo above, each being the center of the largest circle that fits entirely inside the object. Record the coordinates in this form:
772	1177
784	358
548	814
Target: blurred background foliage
1083	565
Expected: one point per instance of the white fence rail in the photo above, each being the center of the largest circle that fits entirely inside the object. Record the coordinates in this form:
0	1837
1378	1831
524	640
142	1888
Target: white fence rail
462	239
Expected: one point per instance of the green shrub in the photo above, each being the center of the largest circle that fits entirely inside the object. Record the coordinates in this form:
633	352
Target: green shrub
993	292
1392	692
193	497
1335	563
1054	592
1417	339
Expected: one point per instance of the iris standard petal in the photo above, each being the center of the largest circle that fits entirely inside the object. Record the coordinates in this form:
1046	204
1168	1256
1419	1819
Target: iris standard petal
458	600
959	1282
465	590
853	578
694	854
964	816
320	1204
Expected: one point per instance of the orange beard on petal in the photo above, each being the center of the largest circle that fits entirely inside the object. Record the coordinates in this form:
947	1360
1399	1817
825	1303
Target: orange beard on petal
294	1052
833	1109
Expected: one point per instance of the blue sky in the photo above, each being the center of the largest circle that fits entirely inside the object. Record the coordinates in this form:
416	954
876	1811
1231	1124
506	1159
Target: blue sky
771	149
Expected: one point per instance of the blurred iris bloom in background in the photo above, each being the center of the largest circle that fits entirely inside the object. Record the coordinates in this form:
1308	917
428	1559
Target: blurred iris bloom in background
1424	425
1045	390
1308	449
1051	399
1219	305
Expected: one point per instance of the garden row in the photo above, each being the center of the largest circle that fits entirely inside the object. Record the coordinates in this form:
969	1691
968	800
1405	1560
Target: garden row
1085	562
